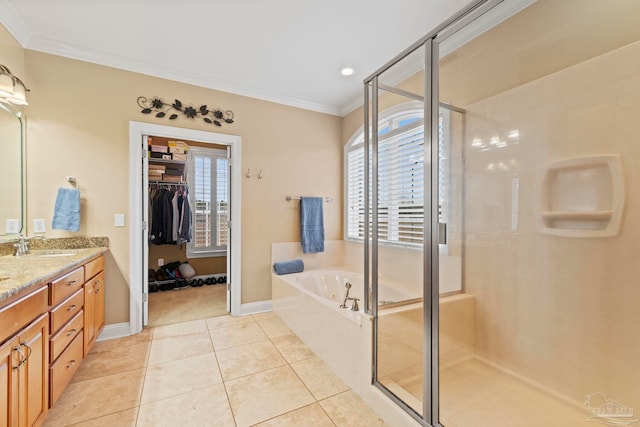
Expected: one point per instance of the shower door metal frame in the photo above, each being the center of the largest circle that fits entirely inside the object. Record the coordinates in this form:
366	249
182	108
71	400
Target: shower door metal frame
430	43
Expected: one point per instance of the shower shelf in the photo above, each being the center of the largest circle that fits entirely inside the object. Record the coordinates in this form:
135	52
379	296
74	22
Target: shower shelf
583	197
577	215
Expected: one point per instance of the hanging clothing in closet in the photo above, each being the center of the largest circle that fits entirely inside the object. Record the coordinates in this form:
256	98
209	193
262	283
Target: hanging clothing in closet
169	216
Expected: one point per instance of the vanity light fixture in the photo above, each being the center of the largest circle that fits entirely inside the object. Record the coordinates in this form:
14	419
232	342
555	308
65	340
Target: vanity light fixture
12	89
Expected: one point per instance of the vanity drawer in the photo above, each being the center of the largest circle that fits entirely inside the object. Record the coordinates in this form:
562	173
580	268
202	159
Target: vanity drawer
20	313
66	310
93	267
61	372
60	340
64	286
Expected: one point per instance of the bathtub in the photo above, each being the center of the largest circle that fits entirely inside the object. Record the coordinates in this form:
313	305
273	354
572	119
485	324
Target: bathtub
309	303
328	288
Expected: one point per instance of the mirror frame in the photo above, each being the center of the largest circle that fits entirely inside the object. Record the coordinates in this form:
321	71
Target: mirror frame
21	119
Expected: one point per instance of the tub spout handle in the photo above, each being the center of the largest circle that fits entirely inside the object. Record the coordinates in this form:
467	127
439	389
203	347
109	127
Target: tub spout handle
346	295
354	306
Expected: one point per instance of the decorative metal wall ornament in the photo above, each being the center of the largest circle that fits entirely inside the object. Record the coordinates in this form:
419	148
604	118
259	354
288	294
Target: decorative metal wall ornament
161	109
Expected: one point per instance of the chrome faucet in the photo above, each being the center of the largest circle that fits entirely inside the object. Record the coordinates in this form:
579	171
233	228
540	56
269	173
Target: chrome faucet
22	244
346	295
354	306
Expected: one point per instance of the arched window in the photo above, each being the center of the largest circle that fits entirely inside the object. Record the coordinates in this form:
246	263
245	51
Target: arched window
400	178
401	195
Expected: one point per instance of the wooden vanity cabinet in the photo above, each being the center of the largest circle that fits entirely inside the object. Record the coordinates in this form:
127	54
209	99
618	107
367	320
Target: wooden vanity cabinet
43	340
93	302
77	317
24	360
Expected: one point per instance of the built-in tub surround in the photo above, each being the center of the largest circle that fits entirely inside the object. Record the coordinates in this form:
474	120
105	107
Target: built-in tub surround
47	259
309	303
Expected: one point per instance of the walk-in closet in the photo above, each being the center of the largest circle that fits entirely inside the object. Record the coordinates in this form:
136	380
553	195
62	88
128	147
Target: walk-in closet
187	211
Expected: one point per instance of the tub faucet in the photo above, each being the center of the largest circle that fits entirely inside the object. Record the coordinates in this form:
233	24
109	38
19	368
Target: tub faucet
354	306
22	244
346	295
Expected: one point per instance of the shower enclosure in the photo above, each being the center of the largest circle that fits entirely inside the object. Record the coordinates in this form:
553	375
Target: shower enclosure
507	213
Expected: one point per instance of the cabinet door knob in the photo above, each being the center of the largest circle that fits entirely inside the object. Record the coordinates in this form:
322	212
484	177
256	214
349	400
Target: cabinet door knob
71	307
71	363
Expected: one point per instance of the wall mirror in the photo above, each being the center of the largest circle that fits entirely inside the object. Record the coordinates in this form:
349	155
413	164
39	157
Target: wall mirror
11	172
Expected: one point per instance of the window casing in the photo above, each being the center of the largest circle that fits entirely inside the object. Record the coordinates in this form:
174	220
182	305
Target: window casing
208	180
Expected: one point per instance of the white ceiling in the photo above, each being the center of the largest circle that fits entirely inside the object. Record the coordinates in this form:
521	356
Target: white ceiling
286	51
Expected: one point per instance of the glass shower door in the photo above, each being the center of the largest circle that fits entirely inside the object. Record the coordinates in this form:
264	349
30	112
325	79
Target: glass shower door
542	218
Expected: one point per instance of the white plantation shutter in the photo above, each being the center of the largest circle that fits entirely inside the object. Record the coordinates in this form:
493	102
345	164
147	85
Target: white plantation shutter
208	198
355	193
401	185
201	189
401	192
222	202
400	182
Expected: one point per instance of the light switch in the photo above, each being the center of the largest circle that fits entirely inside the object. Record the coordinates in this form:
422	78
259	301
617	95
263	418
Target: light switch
119	220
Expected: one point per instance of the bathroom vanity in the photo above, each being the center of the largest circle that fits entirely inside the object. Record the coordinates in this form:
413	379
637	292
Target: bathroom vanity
51	312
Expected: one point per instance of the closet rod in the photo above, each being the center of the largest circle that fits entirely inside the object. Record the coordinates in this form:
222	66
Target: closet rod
167	183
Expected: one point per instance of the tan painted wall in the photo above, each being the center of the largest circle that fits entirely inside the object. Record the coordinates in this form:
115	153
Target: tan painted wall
171	253
79	117
12	54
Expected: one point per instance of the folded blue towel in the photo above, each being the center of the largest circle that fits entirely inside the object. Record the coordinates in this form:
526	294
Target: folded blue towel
311	224
66	214
288	267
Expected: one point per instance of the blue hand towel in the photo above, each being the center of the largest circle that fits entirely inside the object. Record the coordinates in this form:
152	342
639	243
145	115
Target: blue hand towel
311	224
288	267
66	214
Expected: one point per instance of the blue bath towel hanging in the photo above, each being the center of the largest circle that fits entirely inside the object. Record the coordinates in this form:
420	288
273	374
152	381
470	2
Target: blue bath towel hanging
311	224
66	214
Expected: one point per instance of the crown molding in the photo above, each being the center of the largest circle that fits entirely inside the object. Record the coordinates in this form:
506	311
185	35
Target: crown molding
55	47
14	24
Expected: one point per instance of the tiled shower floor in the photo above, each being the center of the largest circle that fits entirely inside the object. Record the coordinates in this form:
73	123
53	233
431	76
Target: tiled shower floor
474	394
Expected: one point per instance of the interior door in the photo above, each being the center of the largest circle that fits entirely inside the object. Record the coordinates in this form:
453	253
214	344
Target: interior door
145	232
230	228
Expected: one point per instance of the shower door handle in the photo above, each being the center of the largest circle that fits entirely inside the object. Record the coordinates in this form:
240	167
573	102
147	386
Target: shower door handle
442	233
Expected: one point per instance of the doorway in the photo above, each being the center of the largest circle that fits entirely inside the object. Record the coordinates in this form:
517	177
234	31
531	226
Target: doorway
139	232
186	209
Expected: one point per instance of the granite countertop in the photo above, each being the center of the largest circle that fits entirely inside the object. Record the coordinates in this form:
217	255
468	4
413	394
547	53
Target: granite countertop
46	260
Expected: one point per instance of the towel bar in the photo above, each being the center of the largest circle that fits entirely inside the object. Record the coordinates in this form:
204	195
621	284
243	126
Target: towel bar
326	199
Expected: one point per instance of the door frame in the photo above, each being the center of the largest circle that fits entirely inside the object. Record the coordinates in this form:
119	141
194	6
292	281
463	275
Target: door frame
136	273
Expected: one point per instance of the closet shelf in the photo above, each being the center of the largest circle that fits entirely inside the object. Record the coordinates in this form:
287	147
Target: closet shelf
578	215
167	161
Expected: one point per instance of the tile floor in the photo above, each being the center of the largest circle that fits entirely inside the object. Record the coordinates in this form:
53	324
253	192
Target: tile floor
221	371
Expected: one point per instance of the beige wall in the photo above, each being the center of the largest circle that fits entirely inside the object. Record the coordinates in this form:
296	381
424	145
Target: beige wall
171	253
78	122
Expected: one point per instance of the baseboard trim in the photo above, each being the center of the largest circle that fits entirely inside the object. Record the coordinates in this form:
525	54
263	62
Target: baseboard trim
256	307
117	330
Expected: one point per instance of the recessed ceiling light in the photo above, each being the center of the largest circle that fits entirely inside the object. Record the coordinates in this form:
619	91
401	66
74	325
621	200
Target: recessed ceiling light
347	71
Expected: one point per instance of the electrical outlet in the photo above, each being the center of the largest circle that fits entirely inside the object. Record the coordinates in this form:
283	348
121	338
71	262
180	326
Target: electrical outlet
39	225
160	262
12	226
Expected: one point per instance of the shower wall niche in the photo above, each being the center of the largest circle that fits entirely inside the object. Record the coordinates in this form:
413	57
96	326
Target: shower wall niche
583	197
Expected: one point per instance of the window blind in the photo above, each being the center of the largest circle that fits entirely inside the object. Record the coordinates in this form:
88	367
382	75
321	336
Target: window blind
400	186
